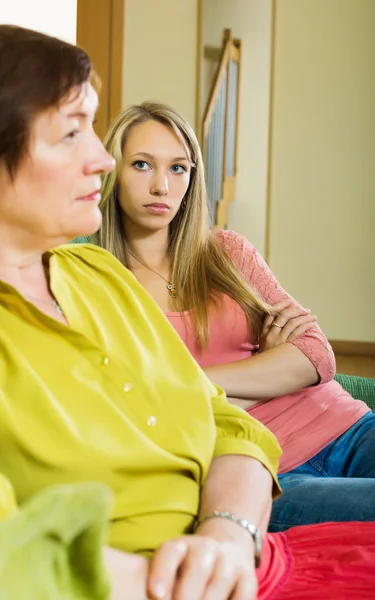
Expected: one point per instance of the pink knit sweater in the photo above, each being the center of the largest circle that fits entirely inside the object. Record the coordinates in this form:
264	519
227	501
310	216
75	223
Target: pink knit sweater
304	422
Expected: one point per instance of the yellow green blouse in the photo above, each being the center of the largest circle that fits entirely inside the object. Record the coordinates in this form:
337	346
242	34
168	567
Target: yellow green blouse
114	398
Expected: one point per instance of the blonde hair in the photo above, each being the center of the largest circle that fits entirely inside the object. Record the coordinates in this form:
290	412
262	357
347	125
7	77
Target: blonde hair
201	269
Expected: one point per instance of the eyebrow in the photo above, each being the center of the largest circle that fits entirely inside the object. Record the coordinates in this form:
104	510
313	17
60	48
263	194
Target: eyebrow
147	155
77	115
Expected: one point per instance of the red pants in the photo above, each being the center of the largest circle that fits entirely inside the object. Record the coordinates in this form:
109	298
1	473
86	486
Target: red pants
328	561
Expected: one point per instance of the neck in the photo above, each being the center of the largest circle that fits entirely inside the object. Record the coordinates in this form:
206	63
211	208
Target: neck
28	278
150	247
20	259
20	247
13	259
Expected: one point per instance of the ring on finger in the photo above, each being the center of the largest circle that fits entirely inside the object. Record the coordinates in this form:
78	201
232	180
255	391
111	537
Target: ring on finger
277	325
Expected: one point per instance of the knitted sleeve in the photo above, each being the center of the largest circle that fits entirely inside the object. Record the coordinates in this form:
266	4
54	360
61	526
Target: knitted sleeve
253	267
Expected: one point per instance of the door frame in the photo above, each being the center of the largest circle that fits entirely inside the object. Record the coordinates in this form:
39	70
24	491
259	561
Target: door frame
100	31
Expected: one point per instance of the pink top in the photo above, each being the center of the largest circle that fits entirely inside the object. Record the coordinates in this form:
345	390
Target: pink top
305	421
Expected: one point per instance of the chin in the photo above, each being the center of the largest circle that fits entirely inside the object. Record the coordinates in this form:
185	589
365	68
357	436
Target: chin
86	227
156	223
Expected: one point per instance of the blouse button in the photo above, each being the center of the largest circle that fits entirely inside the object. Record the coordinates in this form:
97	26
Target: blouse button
105	360
127	387
151	421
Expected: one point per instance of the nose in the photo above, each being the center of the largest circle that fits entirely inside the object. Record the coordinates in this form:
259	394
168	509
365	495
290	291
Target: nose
101	162
159	185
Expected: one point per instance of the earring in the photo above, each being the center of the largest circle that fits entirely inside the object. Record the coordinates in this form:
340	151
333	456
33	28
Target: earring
183	204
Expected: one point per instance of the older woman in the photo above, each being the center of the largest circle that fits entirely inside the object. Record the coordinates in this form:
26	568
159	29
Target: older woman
95	385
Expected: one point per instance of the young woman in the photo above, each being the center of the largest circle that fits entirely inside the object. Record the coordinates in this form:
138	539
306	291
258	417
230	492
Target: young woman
249	335
96	386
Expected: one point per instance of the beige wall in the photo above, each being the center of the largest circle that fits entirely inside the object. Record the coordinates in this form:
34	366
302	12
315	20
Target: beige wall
322	217
54	17
160	53
160	63
251	22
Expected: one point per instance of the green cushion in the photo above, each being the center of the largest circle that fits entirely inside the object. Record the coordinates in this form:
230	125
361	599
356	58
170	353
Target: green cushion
361	388
86	239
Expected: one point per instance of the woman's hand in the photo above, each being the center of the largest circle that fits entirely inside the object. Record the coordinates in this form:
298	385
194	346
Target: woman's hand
208	566
127	573
289	324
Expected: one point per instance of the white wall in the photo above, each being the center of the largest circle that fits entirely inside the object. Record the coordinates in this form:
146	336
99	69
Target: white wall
322	242
161	53
251	22
54	17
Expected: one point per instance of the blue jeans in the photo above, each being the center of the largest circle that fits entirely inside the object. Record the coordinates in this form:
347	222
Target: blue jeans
337	484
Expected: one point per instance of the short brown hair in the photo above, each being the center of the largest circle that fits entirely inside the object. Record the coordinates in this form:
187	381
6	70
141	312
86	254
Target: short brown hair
36	72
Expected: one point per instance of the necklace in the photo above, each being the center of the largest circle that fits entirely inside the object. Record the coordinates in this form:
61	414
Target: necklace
53	303
170	285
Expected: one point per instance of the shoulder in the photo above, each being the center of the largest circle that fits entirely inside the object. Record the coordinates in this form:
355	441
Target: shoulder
236	245
92	256
79	250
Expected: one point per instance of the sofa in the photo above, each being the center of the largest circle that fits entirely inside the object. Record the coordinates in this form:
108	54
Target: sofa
361	388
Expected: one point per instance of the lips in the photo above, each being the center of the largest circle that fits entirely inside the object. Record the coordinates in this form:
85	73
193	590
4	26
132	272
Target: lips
92	197
160	205
157	208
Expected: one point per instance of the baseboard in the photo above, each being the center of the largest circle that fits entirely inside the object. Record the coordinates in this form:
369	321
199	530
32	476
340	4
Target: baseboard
353	347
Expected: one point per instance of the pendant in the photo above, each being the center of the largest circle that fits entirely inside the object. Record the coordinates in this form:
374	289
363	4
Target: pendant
58	307
172	289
